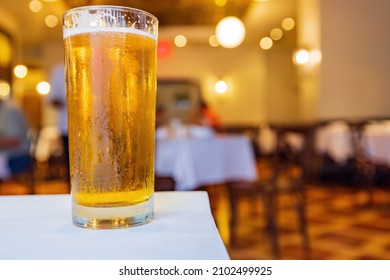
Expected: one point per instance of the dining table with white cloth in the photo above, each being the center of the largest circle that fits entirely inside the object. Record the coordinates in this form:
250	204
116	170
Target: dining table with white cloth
39	227
376	142
5	172
198	161
334	140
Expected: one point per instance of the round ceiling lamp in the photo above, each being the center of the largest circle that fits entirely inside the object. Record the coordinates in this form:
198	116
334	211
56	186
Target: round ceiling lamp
230	32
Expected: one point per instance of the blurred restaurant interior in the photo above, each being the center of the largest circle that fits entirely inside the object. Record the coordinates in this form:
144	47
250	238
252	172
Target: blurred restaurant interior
306	88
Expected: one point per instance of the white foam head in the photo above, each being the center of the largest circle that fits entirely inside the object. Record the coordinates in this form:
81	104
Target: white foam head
107	19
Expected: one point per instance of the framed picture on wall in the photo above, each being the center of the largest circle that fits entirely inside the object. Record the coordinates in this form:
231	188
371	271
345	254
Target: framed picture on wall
179	99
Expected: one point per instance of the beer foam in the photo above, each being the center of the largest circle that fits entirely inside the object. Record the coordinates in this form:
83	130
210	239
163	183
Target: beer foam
83	21
76	31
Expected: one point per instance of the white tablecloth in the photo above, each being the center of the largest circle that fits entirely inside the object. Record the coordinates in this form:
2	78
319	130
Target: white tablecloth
335	141
196	162
376	142
5	173
40	227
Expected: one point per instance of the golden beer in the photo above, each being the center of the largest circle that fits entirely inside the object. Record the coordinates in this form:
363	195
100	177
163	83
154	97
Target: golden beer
111	97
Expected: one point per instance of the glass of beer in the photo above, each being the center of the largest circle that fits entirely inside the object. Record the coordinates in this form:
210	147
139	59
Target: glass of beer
110	73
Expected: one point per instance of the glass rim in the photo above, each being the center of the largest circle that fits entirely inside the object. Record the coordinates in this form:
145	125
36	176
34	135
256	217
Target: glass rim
109	7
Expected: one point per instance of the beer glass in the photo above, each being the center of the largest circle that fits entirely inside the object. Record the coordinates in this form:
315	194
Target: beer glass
110	73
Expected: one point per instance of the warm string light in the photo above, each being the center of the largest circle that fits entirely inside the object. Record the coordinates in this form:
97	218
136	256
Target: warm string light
276	34
51	21
266	43
230	33
36	6
288	24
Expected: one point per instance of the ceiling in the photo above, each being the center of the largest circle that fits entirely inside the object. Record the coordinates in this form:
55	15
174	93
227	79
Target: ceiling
197	17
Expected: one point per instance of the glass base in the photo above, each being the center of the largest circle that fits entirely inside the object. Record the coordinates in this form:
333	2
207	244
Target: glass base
113	217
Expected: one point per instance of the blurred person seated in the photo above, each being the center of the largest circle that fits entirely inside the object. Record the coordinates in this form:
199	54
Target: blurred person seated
57	98
207	116
160	116
14	142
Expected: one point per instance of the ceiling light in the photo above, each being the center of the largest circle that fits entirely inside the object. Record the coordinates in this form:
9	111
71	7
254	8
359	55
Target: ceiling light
51	21
266	43
288	23
180	41
230	32
20	71
35	6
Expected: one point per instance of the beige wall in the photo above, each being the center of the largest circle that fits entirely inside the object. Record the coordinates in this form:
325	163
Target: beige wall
281	95
244	69
356	62
308	76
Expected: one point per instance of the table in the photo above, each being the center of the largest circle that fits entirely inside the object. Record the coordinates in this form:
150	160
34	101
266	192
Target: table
376	143
195	162
40	227
335	140
5	173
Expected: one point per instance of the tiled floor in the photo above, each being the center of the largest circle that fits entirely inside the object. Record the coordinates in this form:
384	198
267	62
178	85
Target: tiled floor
339	226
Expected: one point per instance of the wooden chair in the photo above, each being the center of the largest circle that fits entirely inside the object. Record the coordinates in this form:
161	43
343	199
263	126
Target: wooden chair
288	178
365	170
164	183
22	172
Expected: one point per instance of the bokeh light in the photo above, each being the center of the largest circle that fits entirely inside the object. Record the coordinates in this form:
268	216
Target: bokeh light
221	87
35	6
5	89
301	57
51	21
43	88
230	32
288	23
276	34
180	41
213	41
20	71
266	43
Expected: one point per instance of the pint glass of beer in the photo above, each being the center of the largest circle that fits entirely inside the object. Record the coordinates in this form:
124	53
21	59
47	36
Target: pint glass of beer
110	72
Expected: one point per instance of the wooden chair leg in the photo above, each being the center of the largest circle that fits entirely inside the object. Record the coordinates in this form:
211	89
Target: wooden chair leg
271	220
301	212
233	204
